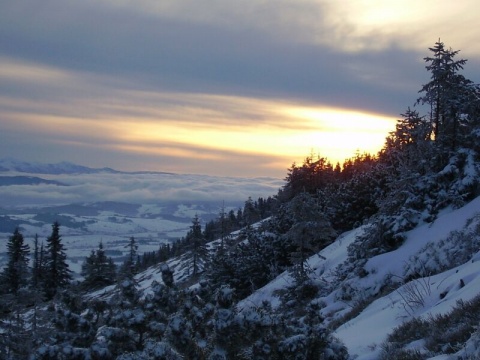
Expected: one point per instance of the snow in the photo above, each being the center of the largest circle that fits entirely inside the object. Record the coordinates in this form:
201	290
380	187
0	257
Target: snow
111	206
418	238
324	263
364	334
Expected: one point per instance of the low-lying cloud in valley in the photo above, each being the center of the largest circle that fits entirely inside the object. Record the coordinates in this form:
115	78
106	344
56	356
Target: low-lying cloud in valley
138	188
95	205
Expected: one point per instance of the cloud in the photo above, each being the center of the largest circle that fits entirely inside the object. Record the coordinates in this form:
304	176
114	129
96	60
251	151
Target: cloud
367	25
139	188
184	84
190	47
188	132
172	131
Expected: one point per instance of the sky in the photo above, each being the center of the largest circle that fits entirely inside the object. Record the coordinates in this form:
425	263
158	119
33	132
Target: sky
217	87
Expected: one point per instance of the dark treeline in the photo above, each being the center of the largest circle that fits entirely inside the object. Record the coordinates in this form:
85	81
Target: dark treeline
49	270
343	191
427	164
218	228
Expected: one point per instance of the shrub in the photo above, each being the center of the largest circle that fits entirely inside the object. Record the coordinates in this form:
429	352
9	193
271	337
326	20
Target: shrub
392	351
443	333
413	294
409	331
450	331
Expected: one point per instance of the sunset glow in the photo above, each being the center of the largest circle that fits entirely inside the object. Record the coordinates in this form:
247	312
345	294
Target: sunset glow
270	128
236	89
335	134
340	133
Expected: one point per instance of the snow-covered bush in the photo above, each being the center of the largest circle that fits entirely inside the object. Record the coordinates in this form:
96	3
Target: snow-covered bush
153	351
409	331
449	331
471	350
60	352
293	347
391	351
442	333
440	255
377	238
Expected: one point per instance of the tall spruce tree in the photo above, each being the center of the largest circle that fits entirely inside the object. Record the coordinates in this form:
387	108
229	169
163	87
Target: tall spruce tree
197	246
57	272
16	273
129	267
449	95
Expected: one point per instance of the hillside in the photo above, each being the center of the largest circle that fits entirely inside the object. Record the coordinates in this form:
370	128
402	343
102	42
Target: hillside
94	205
384	299
14	165
377	258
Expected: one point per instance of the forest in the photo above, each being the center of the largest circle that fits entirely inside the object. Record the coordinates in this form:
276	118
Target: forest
429	162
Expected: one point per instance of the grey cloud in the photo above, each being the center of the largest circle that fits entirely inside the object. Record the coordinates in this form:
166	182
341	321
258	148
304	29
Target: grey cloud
172	54
98	150
112	54
139	188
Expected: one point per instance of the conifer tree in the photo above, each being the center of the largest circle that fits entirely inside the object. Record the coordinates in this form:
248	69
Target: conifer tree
449	95
37	263
37	278
250	212
311	230
57	272
409	146
98	269
197	245
226	329
223	228
15	275
130	266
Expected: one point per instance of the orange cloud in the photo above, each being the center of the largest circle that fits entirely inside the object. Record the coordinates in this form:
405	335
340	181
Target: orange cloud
171	124
208	127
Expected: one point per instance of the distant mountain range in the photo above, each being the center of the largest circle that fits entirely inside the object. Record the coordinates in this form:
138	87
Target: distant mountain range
10	164
27	180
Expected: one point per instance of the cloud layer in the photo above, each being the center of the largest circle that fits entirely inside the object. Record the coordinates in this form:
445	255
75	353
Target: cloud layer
138	189
209	87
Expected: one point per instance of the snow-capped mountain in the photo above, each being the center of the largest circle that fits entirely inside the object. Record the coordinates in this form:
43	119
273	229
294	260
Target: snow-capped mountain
14	165
27	180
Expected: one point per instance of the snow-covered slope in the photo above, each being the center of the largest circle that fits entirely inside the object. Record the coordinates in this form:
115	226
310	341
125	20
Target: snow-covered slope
94	205
437	294
384	298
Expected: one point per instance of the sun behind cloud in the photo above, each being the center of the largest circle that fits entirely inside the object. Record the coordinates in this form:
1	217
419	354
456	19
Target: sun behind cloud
207	128
340	133
268	128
